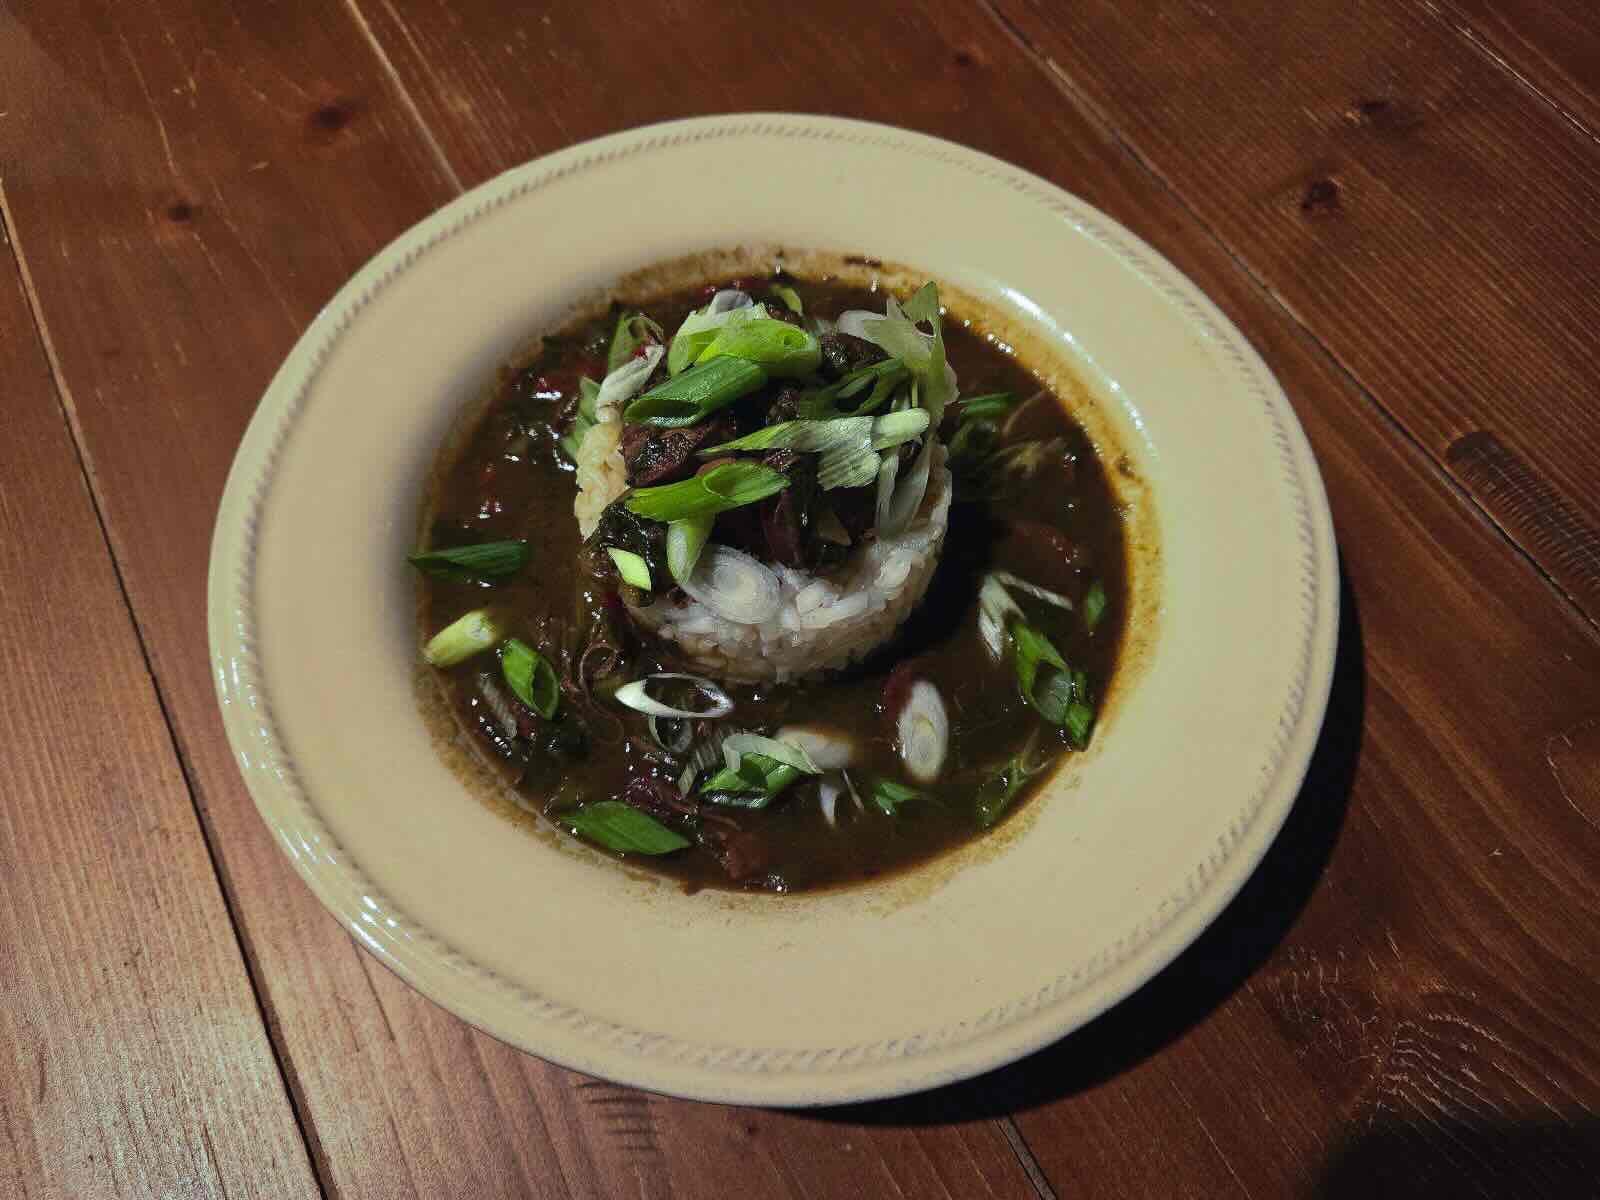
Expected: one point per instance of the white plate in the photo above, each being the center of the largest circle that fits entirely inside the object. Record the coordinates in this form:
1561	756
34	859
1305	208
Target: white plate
762	999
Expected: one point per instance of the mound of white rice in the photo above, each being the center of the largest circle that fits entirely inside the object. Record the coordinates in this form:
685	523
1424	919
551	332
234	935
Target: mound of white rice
823	623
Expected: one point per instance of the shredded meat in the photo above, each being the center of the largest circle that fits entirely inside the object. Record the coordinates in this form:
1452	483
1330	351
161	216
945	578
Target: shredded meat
844	352
655	456
786	518
743	855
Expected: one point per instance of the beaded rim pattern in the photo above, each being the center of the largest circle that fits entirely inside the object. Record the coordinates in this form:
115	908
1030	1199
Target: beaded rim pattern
400	940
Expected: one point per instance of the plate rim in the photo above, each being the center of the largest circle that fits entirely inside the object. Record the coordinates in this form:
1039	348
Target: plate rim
771	1075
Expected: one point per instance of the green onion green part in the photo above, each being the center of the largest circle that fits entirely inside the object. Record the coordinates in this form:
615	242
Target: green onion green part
474	564
990	405
727	486
1079	721
632	329
790	297
786	351
686	538
890	794
1094	605
848	466
531	677
588	396
622	828
896	333
822	436
632	567
999	790
974	438
470	634
697	393
874	384
1032	648
754	783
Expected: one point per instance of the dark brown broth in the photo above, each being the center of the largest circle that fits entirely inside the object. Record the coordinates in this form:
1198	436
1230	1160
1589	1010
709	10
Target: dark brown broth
506	483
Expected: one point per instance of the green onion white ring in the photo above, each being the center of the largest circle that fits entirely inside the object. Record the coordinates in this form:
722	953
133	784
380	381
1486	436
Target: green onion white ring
636	697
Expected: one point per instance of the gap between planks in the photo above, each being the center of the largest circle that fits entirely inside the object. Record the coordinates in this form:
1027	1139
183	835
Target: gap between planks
1096	116
1007	1126
8	235
406	99
1462	26
1030	1165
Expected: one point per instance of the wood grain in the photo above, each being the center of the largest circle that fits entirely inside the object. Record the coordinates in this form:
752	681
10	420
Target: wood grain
133	1057
1432	979
1429	984
213	178
1340	1043
1553	46
1430	218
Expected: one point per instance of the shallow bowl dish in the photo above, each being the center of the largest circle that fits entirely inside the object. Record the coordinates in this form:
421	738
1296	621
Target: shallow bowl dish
790	1000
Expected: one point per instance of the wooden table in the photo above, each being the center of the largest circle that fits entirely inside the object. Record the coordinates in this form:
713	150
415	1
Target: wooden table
1398	201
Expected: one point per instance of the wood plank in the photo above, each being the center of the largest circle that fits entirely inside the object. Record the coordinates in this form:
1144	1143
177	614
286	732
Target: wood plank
410	1063
133	1057
209	179
1431	992
1552	45
1423	213
1341	1041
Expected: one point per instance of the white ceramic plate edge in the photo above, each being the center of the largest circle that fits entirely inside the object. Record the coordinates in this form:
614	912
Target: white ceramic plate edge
341	887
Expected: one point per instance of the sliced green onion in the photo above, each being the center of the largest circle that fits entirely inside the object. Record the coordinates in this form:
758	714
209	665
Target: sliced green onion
999	790
995	608
891	429
896	333
1033	648
881	378
672	734
697	393
632	567
727	486
1094	605
889	795
922	727
588	395
888	471
470	634
813	436
685	541
854	465
805	436
786	351
990	405
1080	714
472	564
825	746
790	297
636	696
789	753
974	438
1053	697
1032	589
738	587
701	327
531	677
622	828
757	769
909	491
632	328
754	783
